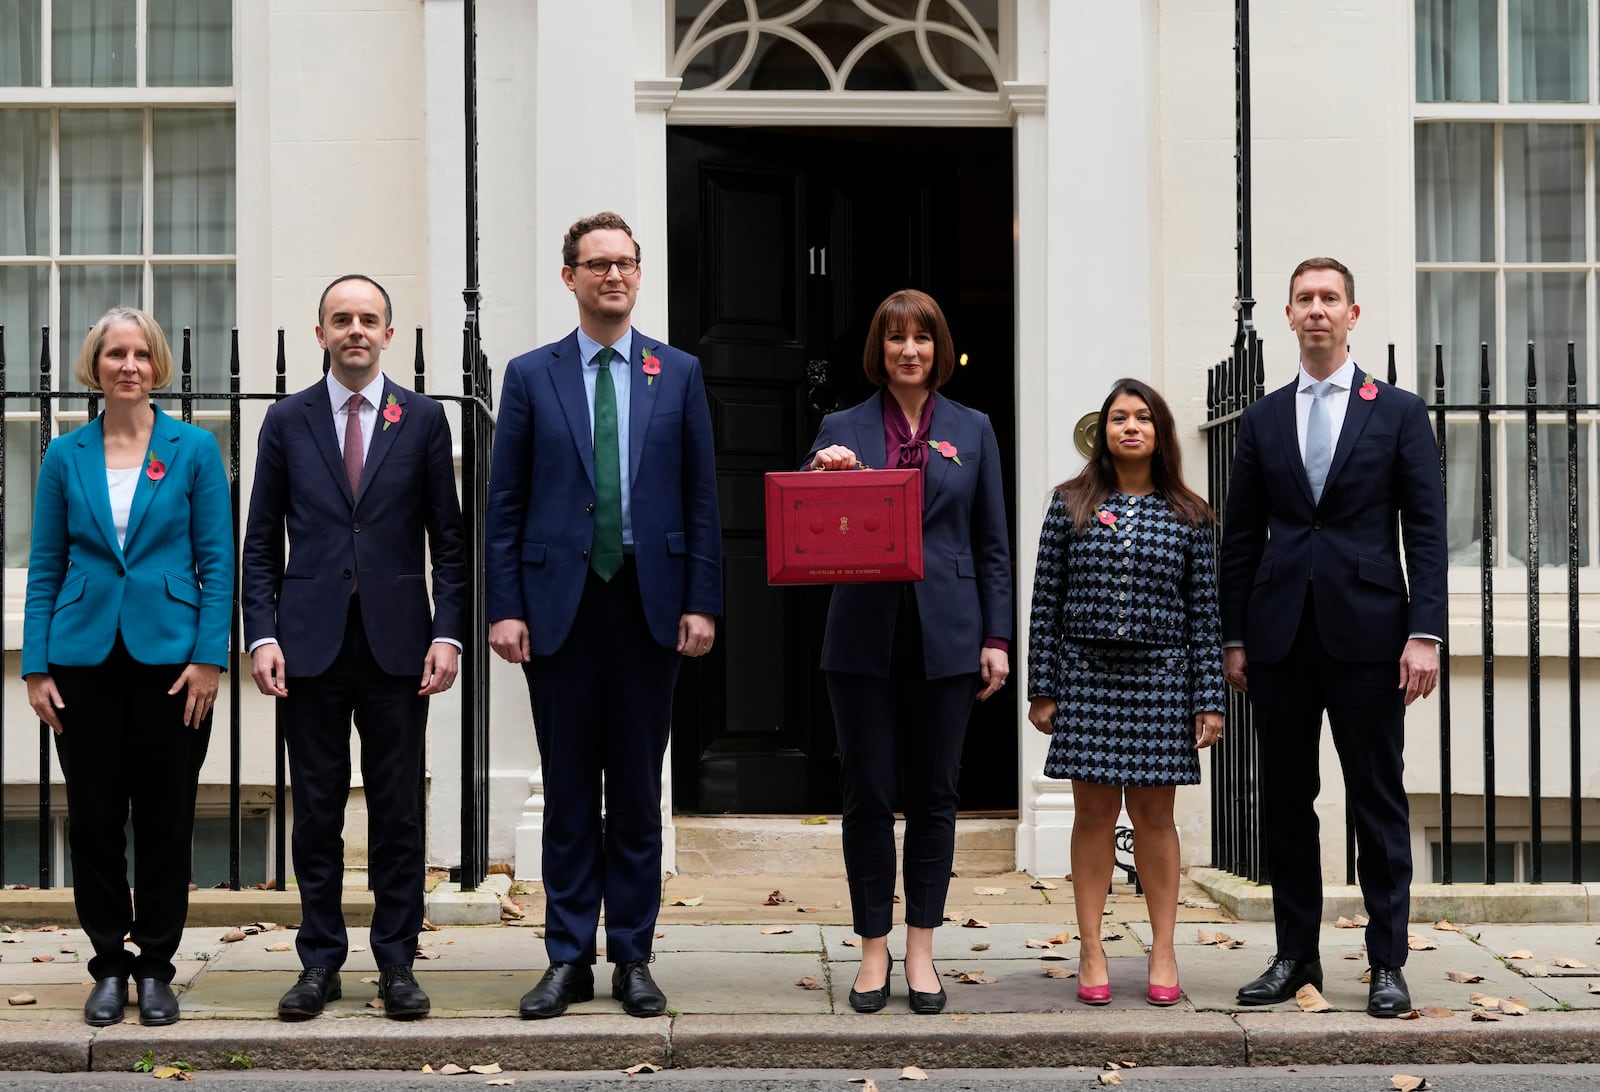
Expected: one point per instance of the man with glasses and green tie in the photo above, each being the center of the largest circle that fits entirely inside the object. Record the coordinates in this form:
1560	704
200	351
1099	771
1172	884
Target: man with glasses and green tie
1331	473
604	570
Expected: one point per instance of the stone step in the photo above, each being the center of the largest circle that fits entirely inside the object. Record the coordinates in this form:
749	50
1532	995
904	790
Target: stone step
768	845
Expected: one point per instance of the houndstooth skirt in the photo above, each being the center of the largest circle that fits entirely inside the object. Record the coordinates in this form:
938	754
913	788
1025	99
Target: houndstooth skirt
1124	717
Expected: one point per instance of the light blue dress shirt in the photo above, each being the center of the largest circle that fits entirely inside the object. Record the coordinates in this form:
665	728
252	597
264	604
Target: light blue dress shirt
620	366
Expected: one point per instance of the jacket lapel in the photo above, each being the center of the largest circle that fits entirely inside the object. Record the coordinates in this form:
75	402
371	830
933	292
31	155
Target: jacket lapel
872	441
319	423
641	400
945	427
1283	416
90	463
1357	413
566	372
384	433
164	446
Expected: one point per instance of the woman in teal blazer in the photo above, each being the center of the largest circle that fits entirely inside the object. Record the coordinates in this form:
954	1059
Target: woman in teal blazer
130	594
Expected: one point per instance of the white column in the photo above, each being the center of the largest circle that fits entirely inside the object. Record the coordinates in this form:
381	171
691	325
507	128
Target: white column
1087	173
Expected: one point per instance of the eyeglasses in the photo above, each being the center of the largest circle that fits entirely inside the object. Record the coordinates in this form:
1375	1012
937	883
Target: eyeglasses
627	267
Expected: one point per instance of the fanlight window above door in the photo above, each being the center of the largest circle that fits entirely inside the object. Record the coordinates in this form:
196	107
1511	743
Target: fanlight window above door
837	45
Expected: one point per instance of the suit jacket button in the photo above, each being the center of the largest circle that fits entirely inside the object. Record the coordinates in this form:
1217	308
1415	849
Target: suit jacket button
119	571
1316	525
588	507
584	554
347	574
356	528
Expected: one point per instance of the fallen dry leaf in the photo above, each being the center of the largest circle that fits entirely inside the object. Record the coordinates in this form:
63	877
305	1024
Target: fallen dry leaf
974	923
815	821
1033	943
1520	953
1512	1007
1484	1000
983	947
1448	926
1436	1011
777	898
450	1069
1062	938
485	1070
958	1017
1463	977
232	936
807	910
988	891
1404	1082
1351	955
509	909
1569	964
375	1003
1110	934
1537	970
957	916
976	978
1205	936
277	948
775	930
1594	987
642	1067
426	1068
1230	943
68	950
22	999
681	901
1059	972
867	1083
1412	1015
1042	885
502	1080
809	983
1345	923
1310	999
912	1073
1480	1014
1420	944
359	948
170	1073
1198	903
851	942
44	959
1110	1078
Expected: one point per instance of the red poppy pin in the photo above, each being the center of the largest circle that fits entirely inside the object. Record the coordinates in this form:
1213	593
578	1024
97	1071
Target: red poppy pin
652	366
155	470
947	449
391	413
1369	389
1106	516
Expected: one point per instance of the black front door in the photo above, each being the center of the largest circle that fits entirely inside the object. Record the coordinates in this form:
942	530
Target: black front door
783	242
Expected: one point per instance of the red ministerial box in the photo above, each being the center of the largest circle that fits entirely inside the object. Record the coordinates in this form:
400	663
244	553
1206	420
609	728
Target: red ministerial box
844	526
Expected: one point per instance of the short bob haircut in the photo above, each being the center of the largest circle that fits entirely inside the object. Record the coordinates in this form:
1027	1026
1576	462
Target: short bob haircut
87	370
895	313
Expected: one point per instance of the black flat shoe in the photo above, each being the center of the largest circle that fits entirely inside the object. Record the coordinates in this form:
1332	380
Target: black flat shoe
927	1004
315	987
158	1006
632	985
873	1000
1280	980
1387	994
403	999
106	1000
562	985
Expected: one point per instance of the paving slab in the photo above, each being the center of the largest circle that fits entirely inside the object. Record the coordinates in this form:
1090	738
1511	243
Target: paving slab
952	942
802	937
1548	943
1571	993
728	982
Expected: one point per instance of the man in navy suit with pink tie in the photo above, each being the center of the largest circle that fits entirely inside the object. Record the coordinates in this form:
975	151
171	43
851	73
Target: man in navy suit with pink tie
359	472
1332	473
604	570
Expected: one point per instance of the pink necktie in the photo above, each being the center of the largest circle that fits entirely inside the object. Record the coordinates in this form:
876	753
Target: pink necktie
353	456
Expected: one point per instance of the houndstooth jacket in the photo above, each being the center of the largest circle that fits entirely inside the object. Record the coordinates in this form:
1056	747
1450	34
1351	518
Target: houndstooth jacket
1134	575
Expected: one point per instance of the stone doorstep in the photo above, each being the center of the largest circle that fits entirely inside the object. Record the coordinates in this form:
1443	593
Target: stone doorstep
766	845
1459	902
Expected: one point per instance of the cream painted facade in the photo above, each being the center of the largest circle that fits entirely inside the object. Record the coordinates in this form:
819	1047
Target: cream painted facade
350	146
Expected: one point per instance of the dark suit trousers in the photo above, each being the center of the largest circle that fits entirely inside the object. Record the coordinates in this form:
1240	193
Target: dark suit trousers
905	731
602	710
125	747
393	722
1366	710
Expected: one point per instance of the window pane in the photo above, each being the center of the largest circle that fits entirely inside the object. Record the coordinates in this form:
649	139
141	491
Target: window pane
24	308
189	43
19	43
201	298
92	43
1544	193
102	181
1457	51
1455	310
25	181
194	192
1463	493
1455	192
1548	47
87	292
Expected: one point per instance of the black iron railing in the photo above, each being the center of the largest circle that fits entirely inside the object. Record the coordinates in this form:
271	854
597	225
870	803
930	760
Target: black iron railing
477	430
1236	823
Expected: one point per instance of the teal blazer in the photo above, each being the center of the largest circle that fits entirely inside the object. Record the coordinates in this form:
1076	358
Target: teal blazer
169	589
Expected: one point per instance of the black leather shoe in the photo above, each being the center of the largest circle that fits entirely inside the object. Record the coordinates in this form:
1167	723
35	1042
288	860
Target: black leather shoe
926	1004
1387	994
1280	981
403	999
873	1000
632	985
562	985
104	1006
314	989
158	1006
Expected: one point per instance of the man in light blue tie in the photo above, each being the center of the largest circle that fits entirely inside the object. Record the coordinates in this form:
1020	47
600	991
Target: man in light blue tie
1331	472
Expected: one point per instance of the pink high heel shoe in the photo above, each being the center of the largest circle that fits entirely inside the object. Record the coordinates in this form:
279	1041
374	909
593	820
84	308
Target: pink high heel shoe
1095	995
1163	996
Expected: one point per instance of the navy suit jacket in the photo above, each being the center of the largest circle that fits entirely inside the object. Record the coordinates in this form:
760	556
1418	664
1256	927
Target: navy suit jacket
408	492
965	592
1383	484
542	494
168	588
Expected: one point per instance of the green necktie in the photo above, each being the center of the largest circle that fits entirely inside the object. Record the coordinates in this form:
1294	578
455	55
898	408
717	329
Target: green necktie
605	555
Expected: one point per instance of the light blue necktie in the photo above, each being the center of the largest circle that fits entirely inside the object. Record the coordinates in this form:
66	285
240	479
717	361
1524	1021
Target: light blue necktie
1319	439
